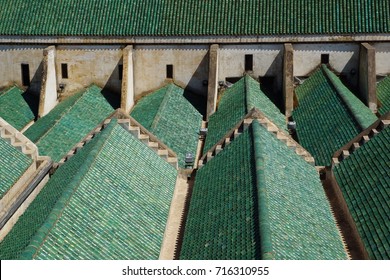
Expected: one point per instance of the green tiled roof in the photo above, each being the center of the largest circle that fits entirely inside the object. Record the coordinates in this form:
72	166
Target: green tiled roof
234	104
13	163
192	17
109	201
365	183
68	123
168	115
383	94
328	115
254	175
14	109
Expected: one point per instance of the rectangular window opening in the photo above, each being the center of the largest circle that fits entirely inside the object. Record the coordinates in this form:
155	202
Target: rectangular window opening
169	71
249	62
64	70
120	71
325	58
25	74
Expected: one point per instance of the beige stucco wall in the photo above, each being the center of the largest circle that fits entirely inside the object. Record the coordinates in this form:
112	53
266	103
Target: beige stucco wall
343	57
267	60
87	65
382	56
190	67
11	58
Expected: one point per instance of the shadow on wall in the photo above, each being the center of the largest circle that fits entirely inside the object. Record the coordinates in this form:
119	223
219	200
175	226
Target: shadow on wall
272	83
32	93
350	73
113	87
196	90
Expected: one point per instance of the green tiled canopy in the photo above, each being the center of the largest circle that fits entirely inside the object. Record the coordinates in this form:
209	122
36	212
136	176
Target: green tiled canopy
14	109
109	201
365	183
328	115
168	115
69	122
234	104
192	17
258	194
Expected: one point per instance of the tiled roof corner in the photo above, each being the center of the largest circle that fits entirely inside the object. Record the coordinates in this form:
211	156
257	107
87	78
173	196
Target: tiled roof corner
57	132
14	109
168	115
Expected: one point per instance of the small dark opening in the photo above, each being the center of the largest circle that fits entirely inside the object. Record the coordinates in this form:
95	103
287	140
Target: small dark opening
120	71
249	62
64	70
169	71
325	58
25	74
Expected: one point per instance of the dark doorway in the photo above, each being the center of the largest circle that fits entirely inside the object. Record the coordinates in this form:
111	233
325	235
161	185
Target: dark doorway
25	74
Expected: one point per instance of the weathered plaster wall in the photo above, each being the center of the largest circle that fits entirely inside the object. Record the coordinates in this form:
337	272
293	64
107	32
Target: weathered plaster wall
267	60
87	65
190	67
11	58
382	58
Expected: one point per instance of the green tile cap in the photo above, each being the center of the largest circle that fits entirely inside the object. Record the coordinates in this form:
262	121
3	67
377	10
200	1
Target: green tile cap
109	201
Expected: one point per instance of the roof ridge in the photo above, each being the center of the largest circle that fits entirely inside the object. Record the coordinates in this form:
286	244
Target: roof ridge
7	90
56	212
348	98
262	200
63	113
162	106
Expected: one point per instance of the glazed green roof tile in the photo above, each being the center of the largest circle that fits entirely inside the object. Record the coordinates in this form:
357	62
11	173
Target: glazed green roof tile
69	122
227	211
383	94
192	17
168	115
234	104
13	163
328	115
109	201
14	109
364	180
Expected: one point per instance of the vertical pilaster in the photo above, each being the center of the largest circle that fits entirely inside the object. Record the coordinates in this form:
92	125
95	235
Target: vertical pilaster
288	79
127	96
367	76
48	94
212	91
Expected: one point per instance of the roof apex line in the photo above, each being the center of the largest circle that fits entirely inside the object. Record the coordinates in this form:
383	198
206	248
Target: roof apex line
56	212
346	96
163	104
262	201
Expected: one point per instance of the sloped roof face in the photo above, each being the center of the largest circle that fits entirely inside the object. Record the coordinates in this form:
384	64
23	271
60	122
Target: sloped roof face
68	123
225	209
168	115
383	94
235	103
104	203
328	115
364	180
13	163
192	17
14	109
